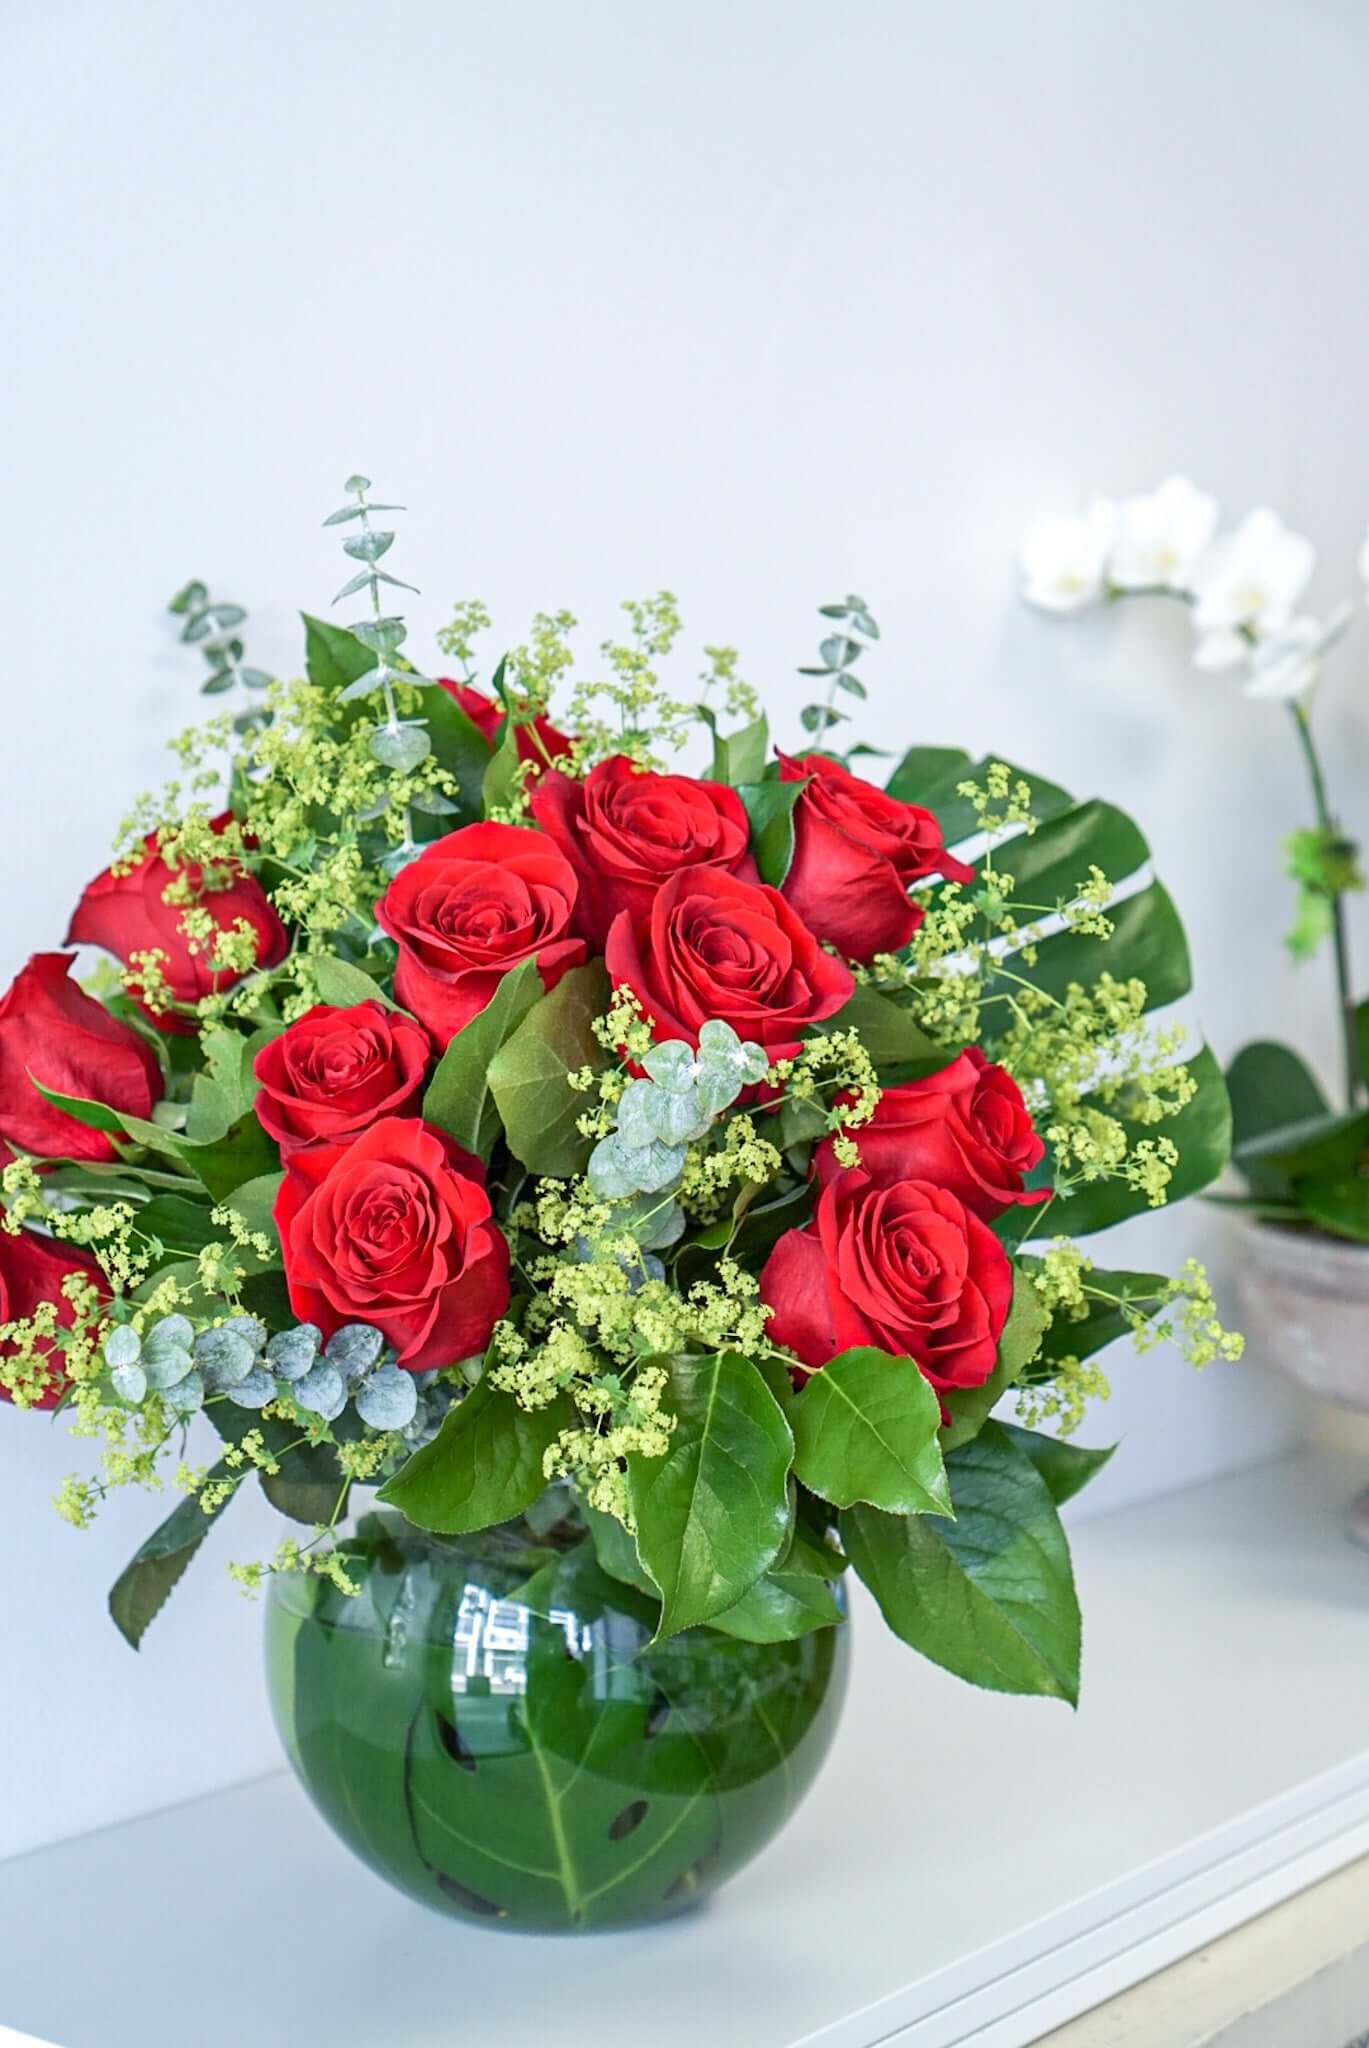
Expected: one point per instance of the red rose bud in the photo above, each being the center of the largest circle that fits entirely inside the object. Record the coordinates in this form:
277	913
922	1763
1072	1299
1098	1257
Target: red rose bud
52	1031
857	852
625	833
905	1268
333	1072
965	1128
538	741
713	945
472	906
395	1230
32	1269
128	914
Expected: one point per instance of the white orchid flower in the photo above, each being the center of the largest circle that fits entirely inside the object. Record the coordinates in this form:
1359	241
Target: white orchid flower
1063	560
1287	665
1218	651
1160	536
1251	578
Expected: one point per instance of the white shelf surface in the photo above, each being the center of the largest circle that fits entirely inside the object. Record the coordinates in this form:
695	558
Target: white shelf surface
968	1869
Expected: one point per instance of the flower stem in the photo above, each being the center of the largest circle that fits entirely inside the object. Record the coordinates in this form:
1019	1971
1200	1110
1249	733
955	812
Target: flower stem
1339	935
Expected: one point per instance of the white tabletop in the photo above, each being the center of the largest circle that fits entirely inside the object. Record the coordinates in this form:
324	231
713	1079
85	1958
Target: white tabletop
968	1868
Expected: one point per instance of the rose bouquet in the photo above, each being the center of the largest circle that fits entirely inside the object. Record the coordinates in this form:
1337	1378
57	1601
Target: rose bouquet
649	1182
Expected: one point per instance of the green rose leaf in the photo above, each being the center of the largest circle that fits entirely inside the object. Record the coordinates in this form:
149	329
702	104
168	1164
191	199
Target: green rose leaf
740	757
530	1074
713	1514
342	984
1020	1341
151	1575
789	1601
483	1466
460	747
333	657
865	1429
770	808
459	1097
887	1032
1066	1468
989	1596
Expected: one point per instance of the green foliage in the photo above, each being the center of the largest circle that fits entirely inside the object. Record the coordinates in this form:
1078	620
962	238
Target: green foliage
740	757
990	1595
865	1429
530	1075
713	1513
968	1408
459	1097
147	1581
1065	1467
483	1466
770	808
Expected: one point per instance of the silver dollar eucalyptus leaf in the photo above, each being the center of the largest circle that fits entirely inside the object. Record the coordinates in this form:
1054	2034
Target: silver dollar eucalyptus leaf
187	1395
224	1358
130	1382
672	1065
255	1391
291	1352
354	1349
400	747
322	1391
387	1399
122	1347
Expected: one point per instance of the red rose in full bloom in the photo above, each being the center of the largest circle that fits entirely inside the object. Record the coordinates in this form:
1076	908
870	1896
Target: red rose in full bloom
52	1030
965	1128
332	1072
127	914
467	910
857	852
715	946
625	832
539	742
905	1268
395	1230
32	1269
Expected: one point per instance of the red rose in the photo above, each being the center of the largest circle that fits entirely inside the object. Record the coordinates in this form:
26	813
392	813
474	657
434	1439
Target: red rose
333	1072
128	914
32	1269
467	910
965	1128
857	853
395	1230
52	1030
906	1268
539	742
625	832
715	946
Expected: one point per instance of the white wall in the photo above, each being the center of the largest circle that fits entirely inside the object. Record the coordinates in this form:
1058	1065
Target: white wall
765	301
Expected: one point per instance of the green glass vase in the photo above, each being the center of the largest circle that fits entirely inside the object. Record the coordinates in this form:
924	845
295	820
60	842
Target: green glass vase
487	1724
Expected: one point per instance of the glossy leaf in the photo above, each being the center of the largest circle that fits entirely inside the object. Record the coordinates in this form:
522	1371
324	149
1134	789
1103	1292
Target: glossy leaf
343	984
1066	1467
529	1075
887	1031
459	1098
740	757
151	1575
483	1466
713	1514
1270	1087
1202	1132
333	657
1106	1320
865	1429
989	1596
1053	863
770	808
969	1407
1147	942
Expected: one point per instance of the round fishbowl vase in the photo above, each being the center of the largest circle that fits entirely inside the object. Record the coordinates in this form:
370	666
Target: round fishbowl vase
487	1723
1304	1301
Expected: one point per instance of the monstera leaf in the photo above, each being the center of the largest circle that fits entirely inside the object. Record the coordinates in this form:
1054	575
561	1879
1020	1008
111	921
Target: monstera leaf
1048	868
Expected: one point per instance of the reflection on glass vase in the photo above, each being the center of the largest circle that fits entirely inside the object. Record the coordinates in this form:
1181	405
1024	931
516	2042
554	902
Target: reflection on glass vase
487	1725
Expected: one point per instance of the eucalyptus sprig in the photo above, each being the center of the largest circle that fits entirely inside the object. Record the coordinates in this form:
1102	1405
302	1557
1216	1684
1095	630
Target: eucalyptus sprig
837	655
213	625
399	744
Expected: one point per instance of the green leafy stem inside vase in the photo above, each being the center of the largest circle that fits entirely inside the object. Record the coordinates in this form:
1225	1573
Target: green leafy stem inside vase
489	1725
